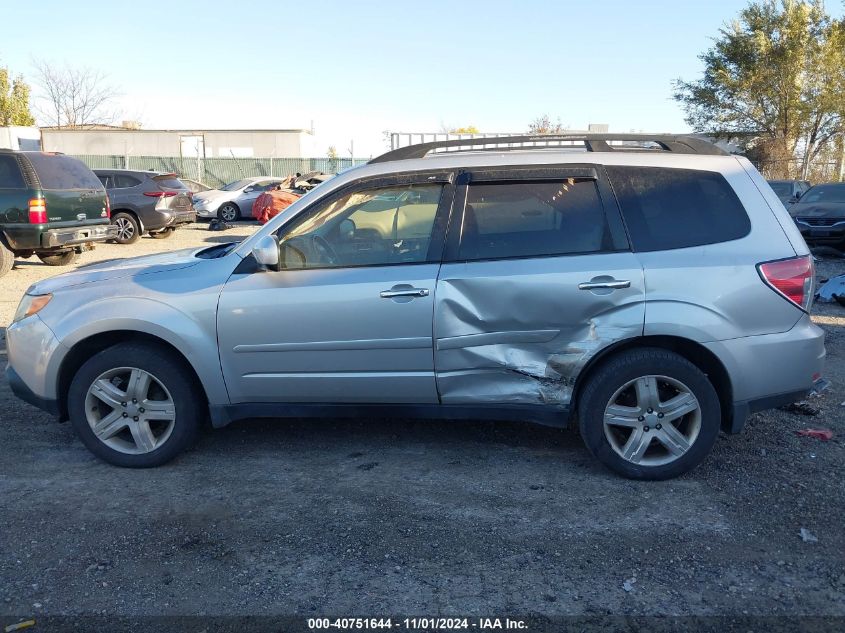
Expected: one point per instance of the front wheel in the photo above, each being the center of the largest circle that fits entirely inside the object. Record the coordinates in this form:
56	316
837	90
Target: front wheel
649	414
63	258
228	212
134	405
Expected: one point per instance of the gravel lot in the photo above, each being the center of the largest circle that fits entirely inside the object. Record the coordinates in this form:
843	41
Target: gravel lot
397	517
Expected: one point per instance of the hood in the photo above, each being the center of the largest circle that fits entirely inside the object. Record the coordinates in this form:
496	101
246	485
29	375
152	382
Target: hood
119	268
817	210
213	194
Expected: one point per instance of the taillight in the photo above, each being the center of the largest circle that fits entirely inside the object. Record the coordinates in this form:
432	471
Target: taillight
38	211
792	278
161	194
108	207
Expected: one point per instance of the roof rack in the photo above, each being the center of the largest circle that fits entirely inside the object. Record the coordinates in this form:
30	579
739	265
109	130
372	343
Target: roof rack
591	142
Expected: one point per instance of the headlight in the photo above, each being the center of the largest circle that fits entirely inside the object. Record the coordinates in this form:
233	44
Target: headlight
31	304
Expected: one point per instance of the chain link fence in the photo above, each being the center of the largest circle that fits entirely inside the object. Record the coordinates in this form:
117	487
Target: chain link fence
216	172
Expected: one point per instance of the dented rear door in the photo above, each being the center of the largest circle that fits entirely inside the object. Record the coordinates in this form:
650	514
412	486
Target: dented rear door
538	278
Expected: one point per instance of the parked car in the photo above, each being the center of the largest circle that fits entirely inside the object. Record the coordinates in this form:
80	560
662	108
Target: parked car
150	202
51	206
656	296
233	201
789	191
820	214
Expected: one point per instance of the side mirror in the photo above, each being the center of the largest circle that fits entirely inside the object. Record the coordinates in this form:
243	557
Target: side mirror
797	195
266	252
249	190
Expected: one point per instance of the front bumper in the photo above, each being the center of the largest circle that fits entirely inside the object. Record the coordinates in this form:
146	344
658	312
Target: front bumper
832	234
206	213
22	391
56	238
34	356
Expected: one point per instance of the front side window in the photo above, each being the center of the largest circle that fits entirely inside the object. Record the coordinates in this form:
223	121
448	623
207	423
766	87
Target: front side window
533	219
375	227
667	208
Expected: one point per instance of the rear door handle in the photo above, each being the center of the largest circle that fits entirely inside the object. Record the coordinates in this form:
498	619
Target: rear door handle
404	292
613	284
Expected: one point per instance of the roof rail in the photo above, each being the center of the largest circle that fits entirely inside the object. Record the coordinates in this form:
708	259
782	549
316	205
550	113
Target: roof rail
592	143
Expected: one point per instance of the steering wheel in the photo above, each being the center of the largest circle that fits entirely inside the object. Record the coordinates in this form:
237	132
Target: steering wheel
321	245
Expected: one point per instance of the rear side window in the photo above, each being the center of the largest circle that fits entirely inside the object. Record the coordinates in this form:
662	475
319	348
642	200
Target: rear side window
63	172
122	181
677	208
169	182
10	173
533	219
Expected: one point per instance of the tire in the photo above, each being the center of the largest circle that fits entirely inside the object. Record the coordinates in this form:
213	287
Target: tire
62	258
163	234
631	381
128	228
134	437
7	259
228	212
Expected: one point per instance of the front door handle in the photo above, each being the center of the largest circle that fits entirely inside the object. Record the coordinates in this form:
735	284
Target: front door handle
404	292
611	284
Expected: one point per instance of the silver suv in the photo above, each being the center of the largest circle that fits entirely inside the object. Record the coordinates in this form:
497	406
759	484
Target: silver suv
655	290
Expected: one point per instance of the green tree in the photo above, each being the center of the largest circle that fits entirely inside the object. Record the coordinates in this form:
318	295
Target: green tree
544	125
14	100
775	76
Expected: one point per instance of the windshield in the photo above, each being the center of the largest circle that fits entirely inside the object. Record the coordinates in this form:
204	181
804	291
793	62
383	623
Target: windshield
825	193
234	186
782	188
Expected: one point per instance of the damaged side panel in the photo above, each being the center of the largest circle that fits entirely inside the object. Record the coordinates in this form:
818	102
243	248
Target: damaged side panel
520	331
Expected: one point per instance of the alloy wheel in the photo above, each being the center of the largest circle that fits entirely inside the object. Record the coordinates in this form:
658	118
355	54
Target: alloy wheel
229	213
652	420
130	410
125	229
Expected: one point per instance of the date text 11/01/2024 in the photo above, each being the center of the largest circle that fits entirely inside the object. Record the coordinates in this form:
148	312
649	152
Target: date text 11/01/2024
420	623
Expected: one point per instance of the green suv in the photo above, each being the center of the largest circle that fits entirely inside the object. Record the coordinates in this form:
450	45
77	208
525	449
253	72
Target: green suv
51	206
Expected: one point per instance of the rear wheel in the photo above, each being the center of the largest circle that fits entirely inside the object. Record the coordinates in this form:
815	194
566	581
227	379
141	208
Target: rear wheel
162	235
7	259
649	414
128	229
228	212
133	405
62	258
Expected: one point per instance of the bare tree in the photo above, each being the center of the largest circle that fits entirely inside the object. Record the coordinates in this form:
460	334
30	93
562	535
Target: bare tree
73	97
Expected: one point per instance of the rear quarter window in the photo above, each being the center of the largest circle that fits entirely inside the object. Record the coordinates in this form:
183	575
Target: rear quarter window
10	173
677	208
63	172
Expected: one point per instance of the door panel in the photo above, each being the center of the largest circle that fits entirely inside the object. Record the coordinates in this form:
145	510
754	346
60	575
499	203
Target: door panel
520	331
327	335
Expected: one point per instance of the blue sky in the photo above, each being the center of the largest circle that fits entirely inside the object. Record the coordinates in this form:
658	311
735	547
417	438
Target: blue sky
357	68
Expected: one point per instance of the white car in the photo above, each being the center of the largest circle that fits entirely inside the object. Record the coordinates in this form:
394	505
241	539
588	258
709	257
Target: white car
233	201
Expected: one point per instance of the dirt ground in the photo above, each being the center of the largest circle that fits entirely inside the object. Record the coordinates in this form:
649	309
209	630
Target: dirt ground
398	517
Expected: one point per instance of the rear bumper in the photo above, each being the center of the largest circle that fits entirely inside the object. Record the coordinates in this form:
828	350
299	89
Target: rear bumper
771	370
183	218
55	238
166	219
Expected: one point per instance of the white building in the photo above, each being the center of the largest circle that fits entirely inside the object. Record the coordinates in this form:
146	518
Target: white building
21	138
116	141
